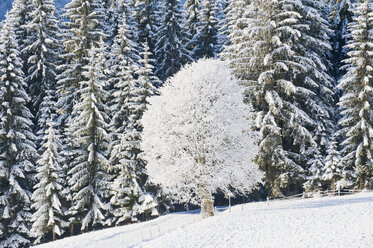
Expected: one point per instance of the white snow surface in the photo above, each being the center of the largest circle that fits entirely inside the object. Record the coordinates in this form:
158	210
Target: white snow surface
340	221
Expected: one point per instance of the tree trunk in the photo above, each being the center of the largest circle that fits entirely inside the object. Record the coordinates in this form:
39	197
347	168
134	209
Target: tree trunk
54	235
207	203
72	229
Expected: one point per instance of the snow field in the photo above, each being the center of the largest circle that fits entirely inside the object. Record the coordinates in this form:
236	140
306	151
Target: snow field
343	222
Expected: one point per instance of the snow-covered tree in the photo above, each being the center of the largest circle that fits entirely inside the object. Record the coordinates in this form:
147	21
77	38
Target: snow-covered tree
333	170
341	14
146	15
50	191
130	197
84	29
42	49
88	170
170	51
17	148
146	78
316	43
205	40
234	23
357	99
122	69
203	142
223	7
277	50
193	11
20	13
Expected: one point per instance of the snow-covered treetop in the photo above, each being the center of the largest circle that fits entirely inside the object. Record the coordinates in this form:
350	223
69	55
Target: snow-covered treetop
197	134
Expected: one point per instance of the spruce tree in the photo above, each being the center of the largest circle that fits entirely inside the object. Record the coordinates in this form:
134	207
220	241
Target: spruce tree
130	197
193	9
356	101
122	71
146	15
20	12
206	38
50	193
278	54
341	15
43	47
235	21
88	171
193	12
333	169
84	29
127	187
170	51
223	7
17	148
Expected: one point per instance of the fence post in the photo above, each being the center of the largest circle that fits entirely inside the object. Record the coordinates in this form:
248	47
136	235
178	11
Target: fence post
229	196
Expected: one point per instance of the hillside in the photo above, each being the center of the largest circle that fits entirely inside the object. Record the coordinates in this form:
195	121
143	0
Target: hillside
345	221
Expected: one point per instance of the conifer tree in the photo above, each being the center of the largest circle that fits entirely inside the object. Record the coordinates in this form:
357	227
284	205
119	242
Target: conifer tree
122	69
42	49
333	169
193	9
193	12
17	148
85	21
206	38
170	51
20	12
146	15
235	21
83	29
50	193
279	56
128	197
356	101
341	15
88	171
223	7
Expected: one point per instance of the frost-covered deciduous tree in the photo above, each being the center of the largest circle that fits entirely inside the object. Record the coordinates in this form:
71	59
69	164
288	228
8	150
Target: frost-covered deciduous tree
357	99
88	170
49	195
17	148
170	50
203	142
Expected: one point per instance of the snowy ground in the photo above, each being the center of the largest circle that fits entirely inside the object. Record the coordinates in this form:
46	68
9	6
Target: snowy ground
345	221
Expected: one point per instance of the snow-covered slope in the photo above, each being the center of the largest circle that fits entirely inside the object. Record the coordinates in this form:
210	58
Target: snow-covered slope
325	222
